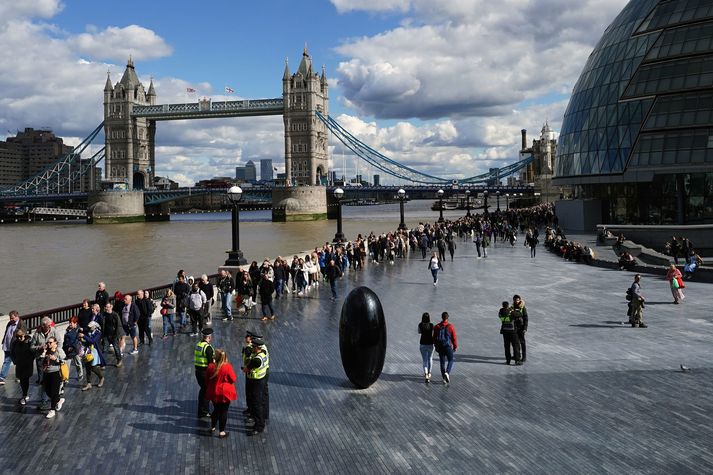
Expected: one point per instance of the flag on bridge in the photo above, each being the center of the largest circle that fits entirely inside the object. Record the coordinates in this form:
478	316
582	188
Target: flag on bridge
190	90
229	90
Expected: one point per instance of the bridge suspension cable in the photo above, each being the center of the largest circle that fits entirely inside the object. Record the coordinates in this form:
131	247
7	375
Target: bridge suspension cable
399	170
60	173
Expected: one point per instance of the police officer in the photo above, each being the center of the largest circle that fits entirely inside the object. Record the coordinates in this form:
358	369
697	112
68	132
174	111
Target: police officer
256	372
202	357
508	330
247	354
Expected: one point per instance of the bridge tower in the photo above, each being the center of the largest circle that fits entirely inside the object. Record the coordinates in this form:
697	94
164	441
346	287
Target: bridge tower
129	141
306	137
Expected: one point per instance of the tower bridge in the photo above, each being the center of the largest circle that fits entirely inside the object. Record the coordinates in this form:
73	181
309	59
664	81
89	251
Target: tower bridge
132	111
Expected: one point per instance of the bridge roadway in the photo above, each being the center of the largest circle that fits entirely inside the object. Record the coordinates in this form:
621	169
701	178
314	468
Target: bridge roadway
595	396
158	196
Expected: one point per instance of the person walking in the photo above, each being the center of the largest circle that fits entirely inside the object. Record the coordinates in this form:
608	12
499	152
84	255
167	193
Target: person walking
93	357
72	347
508	329
256	371
196	303
485	244
11	328
518	313
207	288
332	272
203	355
51	358
435	265
446	343
181	289
101	296
39	344
130	314
226	287
637	304
23	358
220	390
168	310
425	329
245	292
675	280
451	247
113	332
266	289
146	308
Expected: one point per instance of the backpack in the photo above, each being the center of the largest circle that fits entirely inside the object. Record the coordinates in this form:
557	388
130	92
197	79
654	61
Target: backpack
443	338
629	293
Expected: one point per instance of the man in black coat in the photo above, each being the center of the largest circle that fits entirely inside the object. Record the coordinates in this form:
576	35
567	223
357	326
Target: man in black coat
146	308
181	289
112	331
101	297
130	315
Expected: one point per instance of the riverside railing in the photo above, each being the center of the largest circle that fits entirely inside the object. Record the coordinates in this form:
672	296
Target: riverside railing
63	314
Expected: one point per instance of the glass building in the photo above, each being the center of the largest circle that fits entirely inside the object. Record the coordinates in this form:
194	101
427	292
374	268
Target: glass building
638	130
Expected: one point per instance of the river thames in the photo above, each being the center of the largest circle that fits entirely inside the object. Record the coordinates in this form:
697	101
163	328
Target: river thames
48	265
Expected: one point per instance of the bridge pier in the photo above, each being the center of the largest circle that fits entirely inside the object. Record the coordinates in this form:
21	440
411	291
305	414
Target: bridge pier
112	207
299	203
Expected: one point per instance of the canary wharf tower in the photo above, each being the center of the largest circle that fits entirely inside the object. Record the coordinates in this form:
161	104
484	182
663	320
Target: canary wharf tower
638	130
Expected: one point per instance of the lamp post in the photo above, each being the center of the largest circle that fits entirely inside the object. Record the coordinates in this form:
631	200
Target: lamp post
485	202
440	207
235	255
338	195
467	202
507	201
497	197
401	196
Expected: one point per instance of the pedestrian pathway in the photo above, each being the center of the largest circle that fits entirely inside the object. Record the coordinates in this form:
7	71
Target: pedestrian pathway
594	396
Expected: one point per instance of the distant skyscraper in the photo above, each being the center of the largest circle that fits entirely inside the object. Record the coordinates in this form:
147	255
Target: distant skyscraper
250	171
377	180
266	169
240	173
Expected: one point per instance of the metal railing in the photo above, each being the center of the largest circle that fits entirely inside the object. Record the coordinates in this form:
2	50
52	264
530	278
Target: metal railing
63	314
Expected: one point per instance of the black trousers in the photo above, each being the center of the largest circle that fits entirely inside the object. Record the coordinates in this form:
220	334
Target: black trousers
145	330
220	415
51	383
256	391
511	340
203	403
523	345
196	320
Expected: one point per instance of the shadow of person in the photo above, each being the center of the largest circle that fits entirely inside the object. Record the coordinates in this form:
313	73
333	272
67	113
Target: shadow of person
308	381
460	358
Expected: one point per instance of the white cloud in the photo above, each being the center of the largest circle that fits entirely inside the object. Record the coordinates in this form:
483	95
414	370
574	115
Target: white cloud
12	10
118	43
345	6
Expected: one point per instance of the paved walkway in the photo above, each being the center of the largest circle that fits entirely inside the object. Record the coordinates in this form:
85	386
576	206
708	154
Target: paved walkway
594	396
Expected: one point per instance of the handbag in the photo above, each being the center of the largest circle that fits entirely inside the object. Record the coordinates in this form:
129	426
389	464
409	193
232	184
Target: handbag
164	311
64	371
89	354
681	285
674	283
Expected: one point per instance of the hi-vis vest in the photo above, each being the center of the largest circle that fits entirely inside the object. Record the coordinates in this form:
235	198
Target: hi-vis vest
261	371
247	354
200	360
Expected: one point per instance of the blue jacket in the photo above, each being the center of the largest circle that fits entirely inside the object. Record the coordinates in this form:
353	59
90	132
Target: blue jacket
71	342
94	338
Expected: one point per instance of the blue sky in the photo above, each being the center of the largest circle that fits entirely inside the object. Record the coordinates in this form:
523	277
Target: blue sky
441	85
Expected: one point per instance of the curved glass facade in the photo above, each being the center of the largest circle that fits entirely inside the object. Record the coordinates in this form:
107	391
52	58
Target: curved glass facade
641	113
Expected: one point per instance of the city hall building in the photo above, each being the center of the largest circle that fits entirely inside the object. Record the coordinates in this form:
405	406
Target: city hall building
637	135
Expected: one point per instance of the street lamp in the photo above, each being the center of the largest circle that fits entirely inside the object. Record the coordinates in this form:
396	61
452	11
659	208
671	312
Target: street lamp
338	195
235	255
401	196
485	202
507	201
467	202
497	197
440	207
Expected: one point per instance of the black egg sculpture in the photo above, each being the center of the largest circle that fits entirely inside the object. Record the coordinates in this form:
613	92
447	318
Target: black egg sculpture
362	337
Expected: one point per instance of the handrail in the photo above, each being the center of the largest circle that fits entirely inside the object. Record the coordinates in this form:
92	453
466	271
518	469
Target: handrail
63	314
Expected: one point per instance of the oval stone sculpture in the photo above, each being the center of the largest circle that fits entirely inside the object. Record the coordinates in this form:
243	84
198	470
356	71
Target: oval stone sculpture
362	337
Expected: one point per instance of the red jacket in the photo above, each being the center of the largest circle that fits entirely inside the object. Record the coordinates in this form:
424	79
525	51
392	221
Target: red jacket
221	389
450	329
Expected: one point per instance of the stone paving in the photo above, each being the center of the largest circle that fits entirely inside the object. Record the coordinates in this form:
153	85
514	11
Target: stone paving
595	396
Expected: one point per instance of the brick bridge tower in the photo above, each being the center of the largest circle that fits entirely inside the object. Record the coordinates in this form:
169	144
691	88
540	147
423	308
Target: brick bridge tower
306	137
129	141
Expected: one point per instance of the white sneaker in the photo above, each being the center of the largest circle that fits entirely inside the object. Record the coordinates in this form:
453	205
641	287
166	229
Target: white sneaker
50	414
60	403
23	401
446	378
134	352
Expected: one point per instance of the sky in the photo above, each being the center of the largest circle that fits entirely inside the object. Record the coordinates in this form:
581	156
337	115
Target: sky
441	85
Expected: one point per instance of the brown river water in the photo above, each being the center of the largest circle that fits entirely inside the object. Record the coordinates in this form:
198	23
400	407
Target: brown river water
46	265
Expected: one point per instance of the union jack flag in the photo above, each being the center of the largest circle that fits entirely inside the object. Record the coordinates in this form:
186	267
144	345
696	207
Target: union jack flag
229	90
190	90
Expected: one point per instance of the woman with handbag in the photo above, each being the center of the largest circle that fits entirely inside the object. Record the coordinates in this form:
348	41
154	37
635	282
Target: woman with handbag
52	357
675	280
220	390
24	358
168	310
93	357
